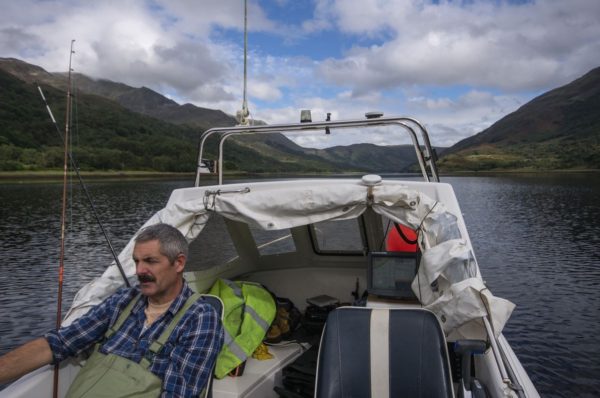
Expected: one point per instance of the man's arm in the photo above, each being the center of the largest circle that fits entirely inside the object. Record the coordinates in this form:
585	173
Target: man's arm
71	340
193	358
24	359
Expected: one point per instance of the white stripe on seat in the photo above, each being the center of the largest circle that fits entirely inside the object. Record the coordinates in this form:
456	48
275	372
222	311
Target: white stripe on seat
380	353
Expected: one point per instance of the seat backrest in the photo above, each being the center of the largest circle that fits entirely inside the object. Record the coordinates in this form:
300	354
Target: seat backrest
367	352
217	304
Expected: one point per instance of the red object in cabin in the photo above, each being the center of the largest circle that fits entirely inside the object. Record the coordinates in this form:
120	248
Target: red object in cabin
396	243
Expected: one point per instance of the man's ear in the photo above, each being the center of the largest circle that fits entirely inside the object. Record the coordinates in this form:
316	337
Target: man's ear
180	262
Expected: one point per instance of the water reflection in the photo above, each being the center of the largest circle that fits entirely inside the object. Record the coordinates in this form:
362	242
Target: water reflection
29	245
537	240
540	247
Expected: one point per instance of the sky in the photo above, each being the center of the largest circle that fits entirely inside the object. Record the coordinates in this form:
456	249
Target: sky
457	66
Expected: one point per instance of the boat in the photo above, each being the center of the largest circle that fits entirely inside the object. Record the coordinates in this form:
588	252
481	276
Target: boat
430	325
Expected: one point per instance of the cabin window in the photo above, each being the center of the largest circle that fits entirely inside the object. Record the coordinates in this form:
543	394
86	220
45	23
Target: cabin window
202	254
273	242
345	237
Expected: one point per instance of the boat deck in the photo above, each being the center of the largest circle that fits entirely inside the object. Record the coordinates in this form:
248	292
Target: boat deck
259	377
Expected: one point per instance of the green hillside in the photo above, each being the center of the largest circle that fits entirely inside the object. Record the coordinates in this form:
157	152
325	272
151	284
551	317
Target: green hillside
375	158
125	128
557	130
106	137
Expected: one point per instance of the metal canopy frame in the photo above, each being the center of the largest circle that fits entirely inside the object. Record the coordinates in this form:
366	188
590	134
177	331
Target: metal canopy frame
424	151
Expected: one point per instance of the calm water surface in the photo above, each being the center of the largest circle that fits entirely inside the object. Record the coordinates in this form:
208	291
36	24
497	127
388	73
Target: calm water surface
536	237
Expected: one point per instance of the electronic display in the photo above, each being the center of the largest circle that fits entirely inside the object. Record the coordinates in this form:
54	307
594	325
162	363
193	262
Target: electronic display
390	274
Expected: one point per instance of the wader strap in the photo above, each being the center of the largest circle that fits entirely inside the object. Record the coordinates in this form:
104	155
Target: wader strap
158	344
122	317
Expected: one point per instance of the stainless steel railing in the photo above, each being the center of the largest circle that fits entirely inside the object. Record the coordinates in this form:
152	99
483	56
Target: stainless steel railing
423	150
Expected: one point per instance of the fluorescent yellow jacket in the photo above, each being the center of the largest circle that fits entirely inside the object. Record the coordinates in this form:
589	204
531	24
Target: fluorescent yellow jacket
249	310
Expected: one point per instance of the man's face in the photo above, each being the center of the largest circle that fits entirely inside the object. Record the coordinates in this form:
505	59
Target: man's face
159	280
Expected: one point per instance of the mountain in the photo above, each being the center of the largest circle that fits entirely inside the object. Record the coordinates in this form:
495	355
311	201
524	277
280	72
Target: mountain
355	157
148	102
108	111
557	130
108	136
141	100
105	134
375	158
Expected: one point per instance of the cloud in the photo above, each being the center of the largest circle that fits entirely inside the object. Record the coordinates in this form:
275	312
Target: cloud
450	120
16	40
458	66
203	16
134	43
264	90
447	120
497	45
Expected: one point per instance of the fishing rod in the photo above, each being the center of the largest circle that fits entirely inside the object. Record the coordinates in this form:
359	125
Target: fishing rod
87	194
61	266
69	159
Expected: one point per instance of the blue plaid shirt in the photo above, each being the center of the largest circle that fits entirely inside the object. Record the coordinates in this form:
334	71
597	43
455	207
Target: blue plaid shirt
185	362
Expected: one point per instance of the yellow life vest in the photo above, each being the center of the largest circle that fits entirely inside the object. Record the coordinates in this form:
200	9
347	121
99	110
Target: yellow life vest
249	310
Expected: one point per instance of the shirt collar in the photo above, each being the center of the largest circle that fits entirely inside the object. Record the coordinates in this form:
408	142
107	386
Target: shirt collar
179	301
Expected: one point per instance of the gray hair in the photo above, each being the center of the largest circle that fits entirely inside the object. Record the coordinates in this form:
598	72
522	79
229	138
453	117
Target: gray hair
172	242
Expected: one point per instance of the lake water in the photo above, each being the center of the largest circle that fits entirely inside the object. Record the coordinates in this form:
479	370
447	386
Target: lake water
536	238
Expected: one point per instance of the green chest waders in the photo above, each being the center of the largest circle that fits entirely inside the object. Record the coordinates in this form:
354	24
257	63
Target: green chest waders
111	376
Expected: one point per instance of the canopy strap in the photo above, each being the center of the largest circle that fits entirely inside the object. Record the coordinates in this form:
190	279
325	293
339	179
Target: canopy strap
210	196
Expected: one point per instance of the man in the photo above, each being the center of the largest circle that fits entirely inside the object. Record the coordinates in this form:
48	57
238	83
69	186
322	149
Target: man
126	325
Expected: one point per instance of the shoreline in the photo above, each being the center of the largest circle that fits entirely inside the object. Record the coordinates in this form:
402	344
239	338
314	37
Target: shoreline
519	171
57	175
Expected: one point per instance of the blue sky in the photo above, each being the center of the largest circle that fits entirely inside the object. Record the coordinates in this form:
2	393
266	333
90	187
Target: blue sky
458	66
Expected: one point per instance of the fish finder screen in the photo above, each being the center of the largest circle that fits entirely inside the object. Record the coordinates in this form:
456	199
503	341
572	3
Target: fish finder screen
391	274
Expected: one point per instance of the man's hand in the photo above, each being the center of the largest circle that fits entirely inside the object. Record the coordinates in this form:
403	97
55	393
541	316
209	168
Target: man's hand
24	359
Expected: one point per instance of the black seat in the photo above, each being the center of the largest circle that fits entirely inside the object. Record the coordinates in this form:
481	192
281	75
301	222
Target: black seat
417	357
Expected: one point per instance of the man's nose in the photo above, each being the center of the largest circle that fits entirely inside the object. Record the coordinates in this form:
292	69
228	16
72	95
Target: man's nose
140	268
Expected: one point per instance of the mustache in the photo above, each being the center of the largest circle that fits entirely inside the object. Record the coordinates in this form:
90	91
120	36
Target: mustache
143	278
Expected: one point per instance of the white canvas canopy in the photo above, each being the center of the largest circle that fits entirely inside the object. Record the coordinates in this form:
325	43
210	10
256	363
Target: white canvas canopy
448	281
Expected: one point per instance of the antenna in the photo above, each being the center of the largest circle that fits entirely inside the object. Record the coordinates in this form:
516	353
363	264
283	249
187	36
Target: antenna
242	115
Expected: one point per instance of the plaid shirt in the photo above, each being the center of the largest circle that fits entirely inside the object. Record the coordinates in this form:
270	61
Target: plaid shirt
185	362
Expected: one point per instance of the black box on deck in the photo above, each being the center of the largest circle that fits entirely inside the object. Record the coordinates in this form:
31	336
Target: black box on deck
317	310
